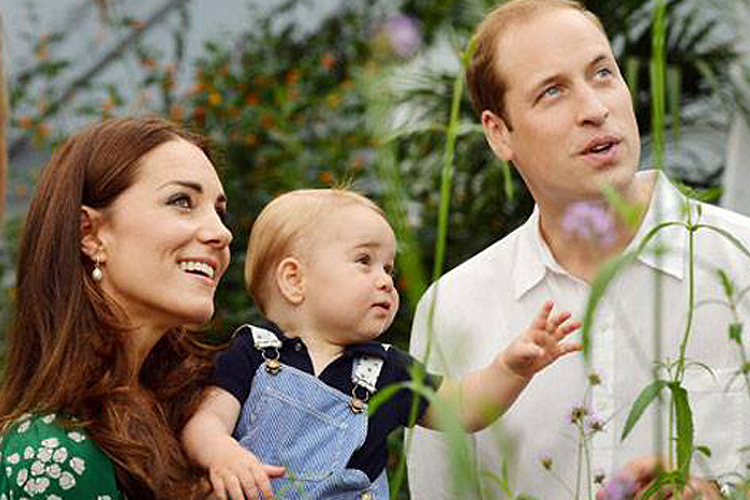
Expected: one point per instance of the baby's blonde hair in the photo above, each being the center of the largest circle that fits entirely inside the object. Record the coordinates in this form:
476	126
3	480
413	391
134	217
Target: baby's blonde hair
284	226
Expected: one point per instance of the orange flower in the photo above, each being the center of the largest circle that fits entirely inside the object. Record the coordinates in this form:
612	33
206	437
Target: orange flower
176	113
325	177
42	130
108	105
266	121
251	140
328	61
293	77
214	98
148	62
252	99
334	100
25	122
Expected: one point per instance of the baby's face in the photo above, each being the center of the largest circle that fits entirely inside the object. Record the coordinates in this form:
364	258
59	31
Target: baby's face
348	276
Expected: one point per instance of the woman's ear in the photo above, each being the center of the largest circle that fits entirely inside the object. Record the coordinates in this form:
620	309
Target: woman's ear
290	280
91	245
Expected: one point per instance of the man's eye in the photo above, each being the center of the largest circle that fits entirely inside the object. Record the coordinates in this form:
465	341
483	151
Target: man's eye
604	73
553	91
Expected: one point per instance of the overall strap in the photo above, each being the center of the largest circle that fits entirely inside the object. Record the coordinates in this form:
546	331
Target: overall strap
268	344
263	338
365	373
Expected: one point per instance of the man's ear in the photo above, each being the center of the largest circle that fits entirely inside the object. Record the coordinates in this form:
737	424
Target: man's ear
290	280
91	245
498	135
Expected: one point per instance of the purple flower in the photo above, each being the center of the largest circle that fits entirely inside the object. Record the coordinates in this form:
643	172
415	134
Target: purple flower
594	423
546	460
621	487
599	476
590	221
595	379
403	34
578	413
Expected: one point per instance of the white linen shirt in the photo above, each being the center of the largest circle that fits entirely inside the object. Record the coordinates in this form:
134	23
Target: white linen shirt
488	300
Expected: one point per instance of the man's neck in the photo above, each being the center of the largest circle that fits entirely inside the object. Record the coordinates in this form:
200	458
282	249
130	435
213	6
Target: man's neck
583	256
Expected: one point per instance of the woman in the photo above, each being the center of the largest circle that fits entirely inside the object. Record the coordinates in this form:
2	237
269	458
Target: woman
123	248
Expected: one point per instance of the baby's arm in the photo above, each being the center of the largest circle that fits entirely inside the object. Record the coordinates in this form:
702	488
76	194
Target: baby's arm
207	438
483	395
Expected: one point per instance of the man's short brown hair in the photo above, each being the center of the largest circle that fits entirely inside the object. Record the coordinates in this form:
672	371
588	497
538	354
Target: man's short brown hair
486	84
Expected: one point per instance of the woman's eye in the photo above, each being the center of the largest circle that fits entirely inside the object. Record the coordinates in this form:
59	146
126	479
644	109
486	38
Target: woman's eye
222	213
181	201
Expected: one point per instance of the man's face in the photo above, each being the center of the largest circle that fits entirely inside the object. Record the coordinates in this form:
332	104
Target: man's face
573	128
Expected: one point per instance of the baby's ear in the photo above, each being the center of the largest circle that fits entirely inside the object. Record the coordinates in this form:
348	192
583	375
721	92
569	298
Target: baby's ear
289	279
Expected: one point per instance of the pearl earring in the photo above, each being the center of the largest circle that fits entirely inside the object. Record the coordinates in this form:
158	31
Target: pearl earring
97	274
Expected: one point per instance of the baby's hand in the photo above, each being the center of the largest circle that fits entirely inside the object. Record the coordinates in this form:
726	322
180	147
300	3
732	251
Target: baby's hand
239	475
542	343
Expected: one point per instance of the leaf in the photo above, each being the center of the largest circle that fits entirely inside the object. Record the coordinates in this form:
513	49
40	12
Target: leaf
641	403
726	283
598	288
664	478
735	332
684	422
704	450
726	234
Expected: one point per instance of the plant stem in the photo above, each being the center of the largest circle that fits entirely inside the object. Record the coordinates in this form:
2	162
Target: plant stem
657	118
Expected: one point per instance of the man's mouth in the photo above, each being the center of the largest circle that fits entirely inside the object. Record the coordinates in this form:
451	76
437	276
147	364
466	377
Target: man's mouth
601	145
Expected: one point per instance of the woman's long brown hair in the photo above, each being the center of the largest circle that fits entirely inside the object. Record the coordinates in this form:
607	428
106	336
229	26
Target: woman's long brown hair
66	347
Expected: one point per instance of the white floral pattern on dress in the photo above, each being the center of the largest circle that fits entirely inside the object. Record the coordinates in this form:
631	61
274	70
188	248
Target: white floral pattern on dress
53	466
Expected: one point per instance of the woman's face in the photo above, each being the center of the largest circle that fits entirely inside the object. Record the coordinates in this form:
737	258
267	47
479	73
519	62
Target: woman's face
164	246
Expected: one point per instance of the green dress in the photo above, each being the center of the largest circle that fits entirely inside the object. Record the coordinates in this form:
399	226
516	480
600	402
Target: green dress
39	459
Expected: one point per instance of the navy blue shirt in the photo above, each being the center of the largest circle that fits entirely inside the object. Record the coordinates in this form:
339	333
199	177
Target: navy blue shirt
237	365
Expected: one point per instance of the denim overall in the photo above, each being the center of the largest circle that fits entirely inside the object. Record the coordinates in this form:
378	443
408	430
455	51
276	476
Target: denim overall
292	418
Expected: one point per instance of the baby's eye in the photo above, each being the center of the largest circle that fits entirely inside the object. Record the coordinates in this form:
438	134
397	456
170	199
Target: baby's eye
389	269
181	200
363	259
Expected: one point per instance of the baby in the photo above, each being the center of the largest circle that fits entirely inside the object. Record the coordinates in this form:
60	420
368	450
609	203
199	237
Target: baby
289	413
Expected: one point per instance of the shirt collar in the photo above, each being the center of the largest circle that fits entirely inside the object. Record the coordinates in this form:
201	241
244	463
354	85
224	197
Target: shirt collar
534	259
369	348
532	256
667	204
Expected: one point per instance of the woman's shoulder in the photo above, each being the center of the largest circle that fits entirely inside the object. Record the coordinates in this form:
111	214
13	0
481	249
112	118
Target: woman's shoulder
39	457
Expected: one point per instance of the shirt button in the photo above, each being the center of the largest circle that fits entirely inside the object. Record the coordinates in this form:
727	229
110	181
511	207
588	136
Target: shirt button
367	496
297	347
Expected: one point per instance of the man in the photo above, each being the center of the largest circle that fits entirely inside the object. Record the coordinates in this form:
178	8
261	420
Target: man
553	102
